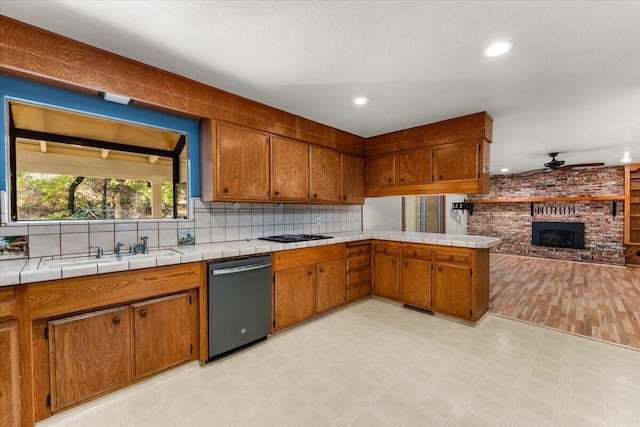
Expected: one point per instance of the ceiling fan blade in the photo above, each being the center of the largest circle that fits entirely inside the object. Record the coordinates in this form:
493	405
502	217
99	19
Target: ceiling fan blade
531	172
580	165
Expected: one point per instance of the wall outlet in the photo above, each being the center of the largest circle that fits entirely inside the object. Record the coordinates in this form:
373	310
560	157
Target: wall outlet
317	220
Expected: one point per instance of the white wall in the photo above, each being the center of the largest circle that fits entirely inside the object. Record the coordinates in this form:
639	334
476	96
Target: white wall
382	213
455	220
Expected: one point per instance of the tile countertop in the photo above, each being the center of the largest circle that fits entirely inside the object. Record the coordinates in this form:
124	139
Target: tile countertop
21	271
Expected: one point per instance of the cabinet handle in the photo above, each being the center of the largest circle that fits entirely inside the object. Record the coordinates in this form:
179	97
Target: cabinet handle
344	197
321	269
393	263
143	313
440	177
390	180
406	264
309	273
116	320
276	193
401	179
225	190
315	196
415	253
439	268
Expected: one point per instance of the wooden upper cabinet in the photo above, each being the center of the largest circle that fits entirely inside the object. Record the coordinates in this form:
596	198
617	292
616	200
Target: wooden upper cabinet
457	162
380	171
352	179
325	175
414	167
89	354
243	163
161	333
289	170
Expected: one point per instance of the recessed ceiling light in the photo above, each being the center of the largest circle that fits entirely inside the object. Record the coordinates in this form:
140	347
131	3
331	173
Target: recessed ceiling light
504	170
498	48
360	100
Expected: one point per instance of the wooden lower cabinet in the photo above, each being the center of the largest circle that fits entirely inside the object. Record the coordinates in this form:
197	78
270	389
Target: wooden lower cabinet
386	258
9	374
161	334
452	289
331	289
301	292
294	296
89	354
415	285
447	280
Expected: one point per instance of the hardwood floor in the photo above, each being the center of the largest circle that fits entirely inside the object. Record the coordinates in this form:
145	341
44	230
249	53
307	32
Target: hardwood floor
593	300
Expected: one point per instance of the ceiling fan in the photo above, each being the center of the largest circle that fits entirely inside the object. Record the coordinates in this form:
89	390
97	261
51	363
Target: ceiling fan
558	165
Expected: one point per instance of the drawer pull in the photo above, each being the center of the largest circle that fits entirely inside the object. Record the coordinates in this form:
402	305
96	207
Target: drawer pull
406	264
415	253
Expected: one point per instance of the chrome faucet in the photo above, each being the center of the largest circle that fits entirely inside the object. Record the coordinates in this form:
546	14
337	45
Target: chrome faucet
99	251
140	248
116	249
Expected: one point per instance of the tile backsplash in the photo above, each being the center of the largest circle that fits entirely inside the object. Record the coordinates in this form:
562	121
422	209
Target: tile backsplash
211	222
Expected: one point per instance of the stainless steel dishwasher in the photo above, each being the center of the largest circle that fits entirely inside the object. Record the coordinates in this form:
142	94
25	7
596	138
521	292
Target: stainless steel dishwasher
239	303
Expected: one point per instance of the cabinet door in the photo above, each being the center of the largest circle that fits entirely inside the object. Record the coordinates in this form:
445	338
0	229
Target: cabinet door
295	296
380	171
415	287
243	164
414	167
456	162
325	175
632	209
88	355
331	287
452	290
352	179
161	333
9	375
289	170
385	275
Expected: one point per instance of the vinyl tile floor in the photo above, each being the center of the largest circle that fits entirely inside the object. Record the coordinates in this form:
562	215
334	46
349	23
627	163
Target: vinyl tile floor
377	364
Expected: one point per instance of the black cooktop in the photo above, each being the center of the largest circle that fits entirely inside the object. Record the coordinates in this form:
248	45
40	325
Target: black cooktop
292	238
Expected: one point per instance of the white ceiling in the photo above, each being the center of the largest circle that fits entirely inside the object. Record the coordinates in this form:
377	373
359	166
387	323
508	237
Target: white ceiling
571	84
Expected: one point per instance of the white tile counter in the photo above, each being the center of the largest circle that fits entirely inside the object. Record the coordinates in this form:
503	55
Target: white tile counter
20	271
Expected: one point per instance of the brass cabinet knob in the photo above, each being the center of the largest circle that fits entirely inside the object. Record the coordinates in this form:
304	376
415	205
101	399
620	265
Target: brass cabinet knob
116	320
143	313
309	273
321	269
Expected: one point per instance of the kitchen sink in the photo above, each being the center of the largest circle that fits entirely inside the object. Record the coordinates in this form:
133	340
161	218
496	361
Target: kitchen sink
70	262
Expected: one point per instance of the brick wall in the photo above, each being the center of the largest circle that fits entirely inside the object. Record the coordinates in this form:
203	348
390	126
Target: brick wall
512	221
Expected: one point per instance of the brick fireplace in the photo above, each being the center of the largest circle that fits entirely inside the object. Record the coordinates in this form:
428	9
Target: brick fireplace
513	222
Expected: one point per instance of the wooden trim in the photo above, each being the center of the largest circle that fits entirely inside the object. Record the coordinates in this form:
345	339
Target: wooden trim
478	126
35	54
549	199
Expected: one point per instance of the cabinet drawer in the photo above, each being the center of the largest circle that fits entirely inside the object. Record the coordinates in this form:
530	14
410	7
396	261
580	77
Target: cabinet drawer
389	248
416	252
358	292
358	261
358	250
453	256
359	276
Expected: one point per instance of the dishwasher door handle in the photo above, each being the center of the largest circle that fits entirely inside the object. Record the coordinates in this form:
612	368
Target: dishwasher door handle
240	269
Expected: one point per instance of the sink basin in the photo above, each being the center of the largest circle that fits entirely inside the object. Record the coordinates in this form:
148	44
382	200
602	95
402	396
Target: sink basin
70	262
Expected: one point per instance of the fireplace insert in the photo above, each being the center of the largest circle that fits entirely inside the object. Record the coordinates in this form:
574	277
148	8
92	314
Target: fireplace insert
558	234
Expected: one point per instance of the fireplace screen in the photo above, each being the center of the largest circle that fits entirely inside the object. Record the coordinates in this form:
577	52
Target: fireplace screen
558	234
